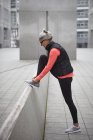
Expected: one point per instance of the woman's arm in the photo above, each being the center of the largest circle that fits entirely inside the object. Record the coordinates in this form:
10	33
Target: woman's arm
54	53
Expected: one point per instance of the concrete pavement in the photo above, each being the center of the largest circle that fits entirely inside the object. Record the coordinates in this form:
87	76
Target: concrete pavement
58	117
13	73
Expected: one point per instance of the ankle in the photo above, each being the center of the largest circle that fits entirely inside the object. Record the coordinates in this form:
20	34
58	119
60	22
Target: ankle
76	124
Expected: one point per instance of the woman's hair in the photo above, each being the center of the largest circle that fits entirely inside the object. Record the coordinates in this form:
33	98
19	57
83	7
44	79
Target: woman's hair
45	35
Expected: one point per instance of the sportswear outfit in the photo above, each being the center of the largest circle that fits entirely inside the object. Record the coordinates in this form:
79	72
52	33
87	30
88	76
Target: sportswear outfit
58	63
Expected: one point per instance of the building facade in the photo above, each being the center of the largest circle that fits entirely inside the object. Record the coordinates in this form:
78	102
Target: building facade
5	24
14	23
90	43
82	23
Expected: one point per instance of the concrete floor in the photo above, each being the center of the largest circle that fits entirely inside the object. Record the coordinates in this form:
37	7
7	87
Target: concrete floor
13	73
58	117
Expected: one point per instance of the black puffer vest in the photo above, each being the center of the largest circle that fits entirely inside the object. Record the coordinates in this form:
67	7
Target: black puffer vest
62	65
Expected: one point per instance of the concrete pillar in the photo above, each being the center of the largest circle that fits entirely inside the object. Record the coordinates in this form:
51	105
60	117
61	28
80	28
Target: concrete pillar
31	23
59	16
63	27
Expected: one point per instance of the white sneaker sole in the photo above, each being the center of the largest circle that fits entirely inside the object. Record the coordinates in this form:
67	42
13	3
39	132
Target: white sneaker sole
77	131
33	86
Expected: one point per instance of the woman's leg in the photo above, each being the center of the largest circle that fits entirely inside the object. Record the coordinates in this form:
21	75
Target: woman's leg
65	85
42	63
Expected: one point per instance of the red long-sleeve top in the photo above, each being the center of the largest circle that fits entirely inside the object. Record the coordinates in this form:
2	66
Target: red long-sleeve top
54	53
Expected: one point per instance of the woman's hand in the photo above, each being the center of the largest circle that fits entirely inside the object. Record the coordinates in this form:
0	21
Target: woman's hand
35	80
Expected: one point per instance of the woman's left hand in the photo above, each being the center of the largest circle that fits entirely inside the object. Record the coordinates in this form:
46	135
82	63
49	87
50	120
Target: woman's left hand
35	80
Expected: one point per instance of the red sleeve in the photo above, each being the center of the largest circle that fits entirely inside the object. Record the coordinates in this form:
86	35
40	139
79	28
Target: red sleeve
54	53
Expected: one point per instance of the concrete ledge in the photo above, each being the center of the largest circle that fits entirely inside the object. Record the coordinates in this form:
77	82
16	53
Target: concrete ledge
27	119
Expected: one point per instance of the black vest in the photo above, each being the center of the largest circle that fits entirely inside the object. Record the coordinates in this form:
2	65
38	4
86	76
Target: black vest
62	65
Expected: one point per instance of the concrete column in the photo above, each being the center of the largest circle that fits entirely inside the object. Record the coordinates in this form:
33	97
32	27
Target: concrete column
62	25
61	18
31	23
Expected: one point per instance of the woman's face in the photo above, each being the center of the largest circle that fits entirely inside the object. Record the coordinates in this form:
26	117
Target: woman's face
44	43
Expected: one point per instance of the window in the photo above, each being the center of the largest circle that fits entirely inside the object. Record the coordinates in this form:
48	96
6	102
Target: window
82	45
82	39
14	33
82	3
5	33
13	3
82	13
13	18
82	35
82	24
0	11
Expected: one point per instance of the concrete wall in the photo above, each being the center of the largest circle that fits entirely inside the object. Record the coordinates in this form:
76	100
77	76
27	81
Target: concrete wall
31	24
27	120
48	5
61	22
64	30
90	40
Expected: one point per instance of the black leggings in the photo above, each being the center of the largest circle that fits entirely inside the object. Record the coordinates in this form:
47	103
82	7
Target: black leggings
65	85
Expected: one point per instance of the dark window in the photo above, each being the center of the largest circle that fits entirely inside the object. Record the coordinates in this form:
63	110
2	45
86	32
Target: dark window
13	3
5	33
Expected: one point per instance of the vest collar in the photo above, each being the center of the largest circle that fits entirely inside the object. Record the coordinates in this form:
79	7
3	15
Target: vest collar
49	45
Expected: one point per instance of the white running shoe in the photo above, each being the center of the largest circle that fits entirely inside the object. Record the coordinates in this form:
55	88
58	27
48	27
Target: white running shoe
33	84
73	129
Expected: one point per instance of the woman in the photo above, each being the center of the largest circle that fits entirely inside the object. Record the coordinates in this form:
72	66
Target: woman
58	63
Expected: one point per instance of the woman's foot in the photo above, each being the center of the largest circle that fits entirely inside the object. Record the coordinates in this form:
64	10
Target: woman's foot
33	84
73	129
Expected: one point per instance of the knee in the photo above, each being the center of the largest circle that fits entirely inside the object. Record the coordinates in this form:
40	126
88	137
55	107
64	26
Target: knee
43	57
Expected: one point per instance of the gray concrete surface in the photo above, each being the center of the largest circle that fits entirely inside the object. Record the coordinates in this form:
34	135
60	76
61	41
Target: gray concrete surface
30	123
14	72
27	119
41	5
58	16
58	117
25	116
